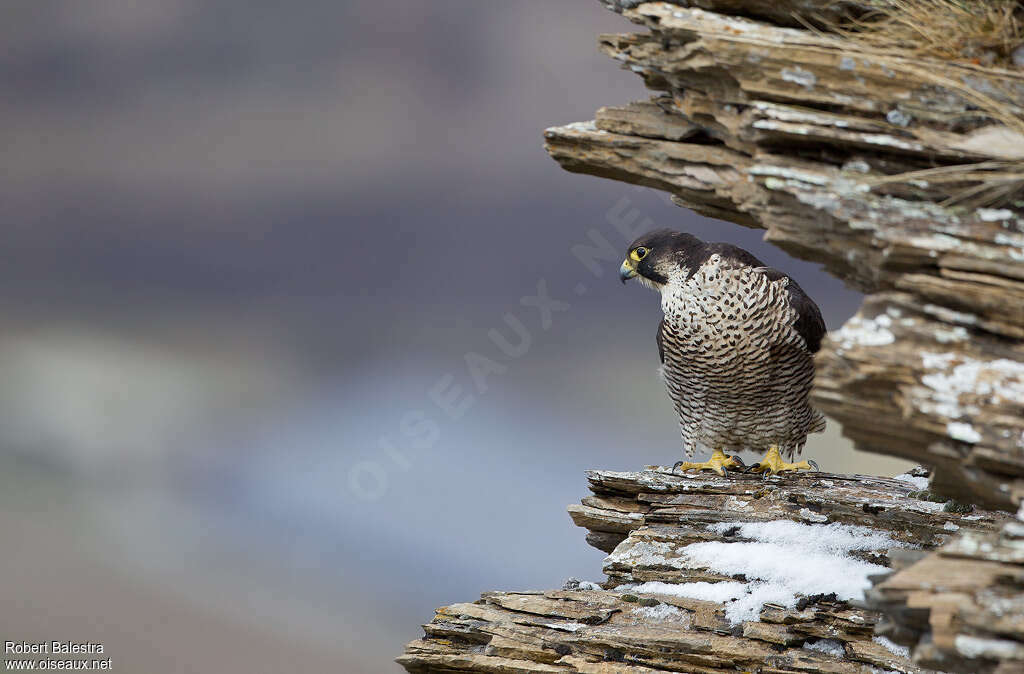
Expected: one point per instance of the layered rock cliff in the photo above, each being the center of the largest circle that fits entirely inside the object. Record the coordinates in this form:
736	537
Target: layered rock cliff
903	174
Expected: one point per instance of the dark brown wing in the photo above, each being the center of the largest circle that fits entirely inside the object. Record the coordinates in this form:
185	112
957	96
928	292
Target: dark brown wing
728	251
809	323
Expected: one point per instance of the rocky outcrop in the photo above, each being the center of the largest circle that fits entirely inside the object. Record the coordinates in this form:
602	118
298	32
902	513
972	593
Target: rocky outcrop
962	608
902	176
711	574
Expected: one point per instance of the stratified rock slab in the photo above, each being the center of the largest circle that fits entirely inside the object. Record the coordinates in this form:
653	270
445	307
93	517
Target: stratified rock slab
625	502
833	149
599	632
652	522
963	604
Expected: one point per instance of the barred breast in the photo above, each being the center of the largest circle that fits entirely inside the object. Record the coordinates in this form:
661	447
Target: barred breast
738	372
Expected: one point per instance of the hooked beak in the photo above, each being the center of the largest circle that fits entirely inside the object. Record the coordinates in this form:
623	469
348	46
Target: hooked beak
627	270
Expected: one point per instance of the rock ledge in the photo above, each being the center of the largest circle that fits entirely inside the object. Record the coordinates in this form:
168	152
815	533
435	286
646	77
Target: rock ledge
638	621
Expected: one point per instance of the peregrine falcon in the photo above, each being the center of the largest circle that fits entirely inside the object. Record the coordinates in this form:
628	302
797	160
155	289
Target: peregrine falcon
736	346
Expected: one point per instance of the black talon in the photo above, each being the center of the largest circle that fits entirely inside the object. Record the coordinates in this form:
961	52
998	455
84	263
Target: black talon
676	465
814	465
738	460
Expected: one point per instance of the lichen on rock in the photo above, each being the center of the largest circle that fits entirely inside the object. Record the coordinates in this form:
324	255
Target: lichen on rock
900	173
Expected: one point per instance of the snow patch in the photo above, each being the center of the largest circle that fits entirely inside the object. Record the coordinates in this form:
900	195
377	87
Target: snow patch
831	538
566	627
949	315
573	583
994	381
995	649
662	613
832	647
808	515
955	334
783	560
930	506
993	214
958	430
919	482
892	647
588	126
938	361
716	592
865	332
743	601
748	606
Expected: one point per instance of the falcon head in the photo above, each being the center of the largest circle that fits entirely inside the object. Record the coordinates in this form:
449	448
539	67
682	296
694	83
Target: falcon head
657	256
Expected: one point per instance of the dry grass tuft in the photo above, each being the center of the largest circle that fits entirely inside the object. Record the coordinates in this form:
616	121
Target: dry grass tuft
984	32
991	183
979	32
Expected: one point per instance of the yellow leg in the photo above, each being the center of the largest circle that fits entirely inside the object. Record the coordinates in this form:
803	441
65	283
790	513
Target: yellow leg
718	463
772	463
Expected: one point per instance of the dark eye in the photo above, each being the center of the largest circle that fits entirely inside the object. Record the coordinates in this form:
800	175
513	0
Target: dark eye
641	252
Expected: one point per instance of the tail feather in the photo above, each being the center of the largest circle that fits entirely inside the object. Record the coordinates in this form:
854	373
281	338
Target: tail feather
817	422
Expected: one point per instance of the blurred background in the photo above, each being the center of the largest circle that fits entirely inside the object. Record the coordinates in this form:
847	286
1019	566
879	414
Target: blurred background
254	417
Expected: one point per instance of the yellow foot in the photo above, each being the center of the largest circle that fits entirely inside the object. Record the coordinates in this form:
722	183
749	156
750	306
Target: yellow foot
718	463
772	463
